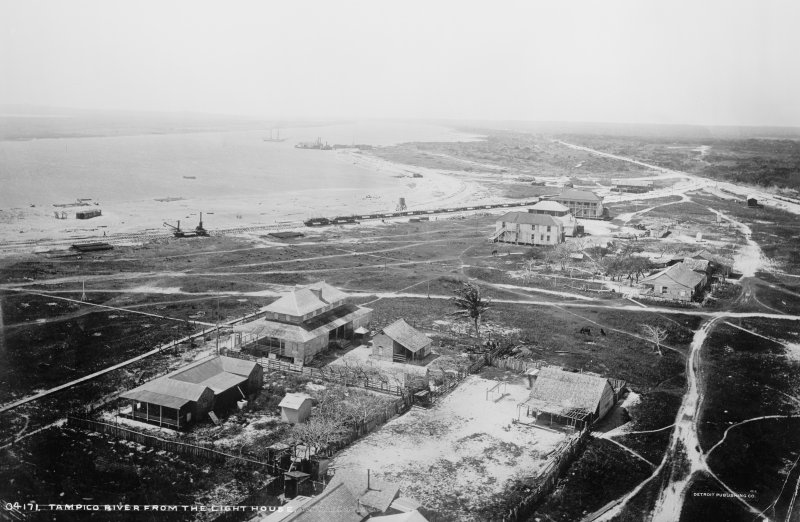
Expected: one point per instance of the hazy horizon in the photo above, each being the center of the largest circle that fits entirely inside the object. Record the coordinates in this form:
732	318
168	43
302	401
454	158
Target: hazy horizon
617	62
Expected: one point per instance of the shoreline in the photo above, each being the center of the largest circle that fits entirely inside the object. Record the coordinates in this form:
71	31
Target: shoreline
434	189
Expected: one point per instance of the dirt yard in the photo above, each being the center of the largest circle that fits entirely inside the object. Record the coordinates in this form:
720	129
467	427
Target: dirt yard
461	453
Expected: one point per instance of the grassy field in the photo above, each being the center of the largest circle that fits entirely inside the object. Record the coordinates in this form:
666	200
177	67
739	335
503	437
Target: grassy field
602	473
65	466
765	162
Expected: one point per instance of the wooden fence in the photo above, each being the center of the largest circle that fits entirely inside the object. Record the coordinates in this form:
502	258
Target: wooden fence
456	377
546	480
517	365
202	451
338	375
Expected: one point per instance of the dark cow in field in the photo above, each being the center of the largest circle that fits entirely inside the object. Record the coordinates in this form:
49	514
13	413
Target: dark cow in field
586	330
494	252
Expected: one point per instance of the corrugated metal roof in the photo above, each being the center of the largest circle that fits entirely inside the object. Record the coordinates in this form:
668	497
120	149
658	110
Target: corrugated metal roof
678	273
297	333
409	516
190	382
166	401
529	219
698	265
577	195
335	504
551	206
377	495
237	366
224	381
173	388
307	299
294	400
568	390
405	334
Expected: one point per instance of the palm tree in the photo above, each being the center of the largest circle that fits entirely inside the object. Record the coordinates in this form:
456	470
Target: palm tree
470	305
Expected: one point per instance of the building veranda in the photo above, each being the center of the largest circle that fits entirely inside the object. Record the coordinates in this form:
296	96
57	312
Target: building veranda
302	323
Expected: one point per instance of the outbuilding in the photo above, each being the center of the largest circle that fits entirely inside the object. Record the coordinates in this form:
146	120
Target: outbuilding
188	394
296	407
676	282
401	342
572	398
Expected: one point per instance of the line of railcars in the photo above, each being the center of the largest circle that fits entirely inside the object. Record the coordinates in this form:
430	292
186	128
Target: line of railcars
345	220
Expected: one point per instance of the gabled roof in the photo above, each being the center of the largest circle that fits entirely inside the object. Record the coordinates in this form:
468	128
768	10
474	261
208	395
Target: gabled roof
187	391
698	265
577	195
166	401
336	504
678	273
409	516
550	206
405	334
529	219
191	382
294	400
199	371
310	329
568	390
306	299
377	495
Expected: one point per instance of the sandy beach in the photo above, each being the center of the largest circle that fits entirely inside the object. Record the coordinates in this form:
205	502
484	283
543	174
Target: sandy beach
258	207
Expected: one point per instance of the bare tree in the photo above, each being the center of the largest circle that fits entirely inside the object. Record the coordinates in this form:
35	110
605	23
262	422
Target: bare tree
318	432
470	305
656	335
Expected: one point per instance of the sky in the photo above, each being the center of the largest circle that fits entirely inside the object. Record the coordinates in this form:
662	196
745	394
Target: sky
698	62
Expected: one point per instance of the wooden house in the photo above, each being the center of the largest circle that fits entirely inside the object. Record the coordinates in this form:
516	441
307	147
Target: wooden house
401	342
526	228
572	398
581	203
296	407
302	323
188	394
677	282
559	212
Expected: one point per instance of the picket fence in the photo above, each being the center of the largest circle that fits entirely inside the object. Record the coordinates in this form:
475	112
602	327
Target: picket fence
547	479
325	374
119	432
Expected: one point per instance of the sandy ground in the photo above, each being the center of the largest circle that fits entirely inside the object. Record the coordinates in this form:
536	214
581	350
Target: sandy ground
465	447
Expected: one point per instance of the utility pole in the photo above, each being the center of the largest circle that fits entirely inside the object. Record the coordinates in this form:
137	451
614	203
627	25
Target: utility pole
217	326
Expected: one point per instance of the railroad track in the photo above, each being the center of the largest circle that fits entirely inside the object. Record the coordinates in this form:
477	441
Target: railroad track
142	237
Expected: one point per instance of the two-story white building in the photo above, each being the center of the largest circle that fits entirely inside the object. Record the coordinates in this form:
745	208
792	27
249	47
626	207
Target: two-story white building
526	228
302	323
581	203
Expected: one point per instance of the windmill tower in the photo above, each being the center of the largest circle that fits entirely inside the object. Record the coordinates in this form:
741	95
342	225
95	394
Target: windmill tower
83	291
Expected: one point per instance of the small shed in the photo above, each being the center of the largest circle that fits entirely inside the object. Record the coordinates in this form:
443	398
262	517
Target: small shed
296	407
401	342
